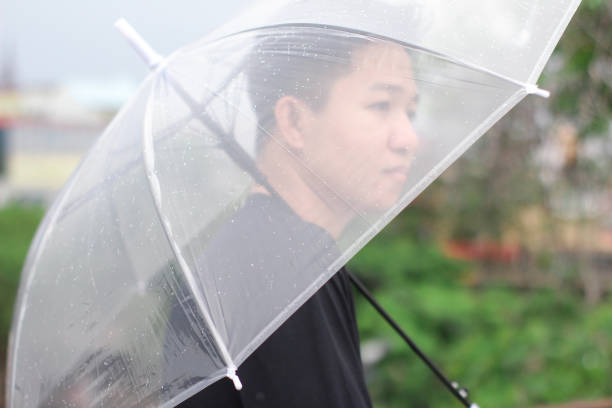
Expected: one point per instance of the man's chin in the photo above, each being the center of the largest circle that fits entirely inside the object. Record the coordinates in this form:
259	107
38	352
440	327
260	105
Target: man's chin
382	204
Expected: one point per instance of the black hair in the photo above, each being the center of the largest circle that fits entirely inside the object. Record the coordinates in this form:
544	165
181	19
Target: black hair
298	61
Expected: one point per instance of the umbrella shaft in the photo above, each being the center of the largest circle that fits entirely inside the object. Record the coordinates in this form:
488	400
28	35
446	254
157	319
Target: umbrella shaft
454	389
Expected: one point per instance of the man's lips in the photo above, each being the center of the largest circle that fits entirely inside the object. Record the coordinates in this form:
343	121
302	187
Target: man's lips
397	172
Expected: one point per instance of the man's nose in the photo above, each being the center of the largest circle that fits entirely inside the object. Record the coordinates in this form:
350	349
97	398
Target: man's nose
403	137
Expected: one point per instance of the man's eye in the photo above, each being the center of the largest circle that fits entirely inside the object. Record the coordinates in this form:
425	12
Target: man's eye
380	106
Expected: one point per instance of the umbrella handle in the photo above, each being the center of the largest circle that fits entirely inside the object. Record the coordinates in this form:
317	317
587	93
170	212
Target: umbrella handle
453	387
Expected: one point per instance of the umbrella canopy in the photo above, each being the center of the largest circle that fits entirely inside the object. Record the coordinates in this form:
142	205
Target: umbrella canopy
146	282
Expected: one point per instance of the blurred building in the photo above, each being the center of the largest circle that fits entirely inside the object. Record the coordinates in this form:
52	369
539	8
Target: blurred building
46	130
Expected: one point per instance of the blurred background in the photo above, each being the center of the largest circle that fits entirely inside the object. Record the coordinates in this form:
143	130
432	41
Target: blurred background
501	270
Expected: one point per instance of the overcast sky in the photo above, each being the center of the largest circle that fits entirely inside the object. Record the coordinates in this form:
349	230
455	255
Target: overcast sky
75	40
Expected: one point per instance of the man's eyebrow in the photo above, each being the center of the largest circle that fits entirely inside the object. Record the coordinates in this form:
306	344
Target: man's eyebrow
392	88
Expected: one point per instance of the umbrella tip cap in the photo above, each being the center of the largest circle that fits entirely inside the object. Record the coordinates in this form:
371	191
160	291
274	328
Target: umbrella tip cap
147	53
121	22
533	89
234	377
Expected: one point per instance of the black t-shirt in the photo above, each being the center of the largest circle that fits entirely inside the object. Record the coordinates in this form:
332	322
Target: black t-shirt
313	359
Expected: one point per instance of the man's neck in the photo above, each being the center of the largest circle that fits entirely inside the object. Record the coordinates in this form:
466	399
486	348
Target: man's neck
314	205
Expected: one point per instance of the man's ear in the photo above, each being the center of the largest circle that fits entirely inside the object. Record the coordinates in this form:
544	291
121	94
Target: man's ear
291	116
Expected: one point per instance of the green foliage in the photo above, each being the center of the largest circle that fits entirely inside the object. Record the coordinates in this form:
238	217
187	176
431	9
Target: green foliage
510	348
17	227
584	91
593	4
404	261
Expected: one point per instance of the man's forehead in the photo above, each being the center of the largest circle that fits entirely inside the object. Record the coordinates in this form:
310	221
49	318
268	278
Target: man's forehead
395	88
385	67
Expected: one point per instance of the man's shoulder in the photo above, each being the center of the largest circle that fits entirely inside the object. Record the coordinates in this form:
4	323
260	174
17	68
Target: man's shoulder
266	227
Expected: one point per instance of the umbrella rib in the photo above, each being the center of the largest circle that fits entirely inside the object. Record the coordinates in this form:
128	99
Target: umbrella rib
40	242
530	88
155	190
553	40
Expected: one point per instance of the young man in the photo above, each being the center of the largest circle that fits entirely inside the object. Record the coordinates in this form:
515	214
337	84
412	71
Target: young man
335	142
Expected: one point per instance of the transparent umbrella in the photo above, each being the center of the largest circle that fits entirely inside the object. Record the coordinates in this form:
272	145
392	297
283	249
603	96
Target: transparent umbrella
247	169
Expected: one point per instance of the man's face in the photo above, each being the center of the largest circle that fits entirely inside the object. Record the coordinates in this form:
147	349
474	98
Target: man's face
361	143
